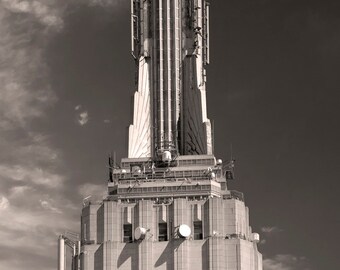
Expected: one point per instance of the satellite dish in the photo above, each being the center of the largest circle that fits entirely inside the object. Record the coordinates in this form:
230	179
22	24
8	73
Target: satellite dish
255	237
140	233
184	231
166	156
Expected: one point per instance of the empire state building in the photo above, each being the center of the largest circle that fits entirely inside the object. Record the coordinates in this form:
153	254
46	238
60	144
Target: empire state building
168	205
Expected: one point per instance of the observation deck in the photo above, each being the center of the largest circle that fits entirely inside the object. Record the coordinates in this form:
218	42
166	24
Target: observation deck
191	177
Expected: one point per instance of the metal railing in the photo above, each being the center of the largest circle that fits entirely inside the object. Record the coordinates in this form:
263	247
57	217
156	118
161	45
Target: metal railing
167	175
234	194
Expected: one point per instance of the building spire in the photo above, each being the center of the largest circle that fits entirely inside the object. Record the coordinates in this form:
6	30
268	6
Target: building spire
170	44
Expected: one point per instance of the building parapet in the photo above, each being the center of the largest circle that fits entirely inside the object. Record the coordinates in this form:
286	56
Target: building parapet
234	194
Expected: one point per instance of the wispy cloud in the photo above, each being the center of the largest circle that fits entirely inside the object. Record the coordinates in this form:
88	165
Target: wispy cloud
34	230
94	190
105	3
37	175
30	171
263	241
4	203
45	12
33	184
271	230
285	262
25	92
83	118
47	205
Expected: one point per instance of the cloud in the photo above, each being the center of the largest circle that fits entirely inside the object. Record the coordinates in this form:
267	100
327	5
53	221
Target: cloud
26	27
49	207
34	187
18	191
18	104
285	262
44	11
35	233
107	121
83	118
36	175
4	203
104	3
31	180
77	108
33	220
24	89
93	190
271	230
38	147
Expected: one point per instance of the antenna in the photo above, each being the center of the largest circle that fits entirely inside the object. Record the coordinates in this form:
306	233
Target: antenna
87	200
231	164
213	135
111	164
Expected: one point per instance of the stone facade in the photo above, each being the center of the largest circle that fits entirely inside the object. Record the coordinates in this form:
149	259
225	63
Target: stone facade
224	242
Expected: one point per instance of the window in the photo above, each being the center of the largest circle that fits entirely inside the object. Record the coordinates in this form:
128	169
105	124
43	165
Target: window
127	233
113	192
162	232
84	232
198	230
170	224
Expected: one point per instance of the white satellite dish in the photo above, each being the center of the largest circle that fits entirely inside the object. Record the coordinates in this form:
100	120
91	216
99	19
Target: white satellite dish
166	156
184	231
140	233
255	237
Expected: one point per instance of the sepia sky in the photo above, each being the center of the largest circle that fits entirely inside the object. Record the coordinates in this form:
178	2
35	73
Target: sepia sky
66	86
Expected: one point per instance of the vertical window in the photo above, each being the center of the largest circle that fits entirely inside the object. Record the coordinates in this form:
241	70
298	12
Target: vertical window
84	231
127	233
170	224
198	230
162	232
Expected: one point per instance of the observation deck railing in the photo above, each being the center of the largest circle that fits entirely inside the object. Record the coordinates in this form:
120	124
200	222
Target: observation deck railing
234	194
168	175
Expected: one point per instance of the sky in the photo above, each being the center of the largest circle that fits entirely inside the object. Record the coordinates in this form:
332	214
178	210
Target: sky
66	86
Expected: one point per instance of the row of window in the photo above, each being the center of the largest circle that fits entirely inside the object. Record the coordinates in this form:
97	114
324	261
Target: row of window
167	189
163	234
207	161
166	174
197	162
165	200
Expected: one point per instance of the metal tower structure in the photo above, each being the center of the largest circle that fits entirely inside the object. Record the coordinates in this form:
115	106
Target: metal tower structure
71	240
170	45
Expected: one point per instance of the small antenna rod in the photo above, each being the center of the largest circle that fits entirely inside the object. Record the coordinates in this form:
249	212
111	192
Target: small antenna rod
110	167
213	135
